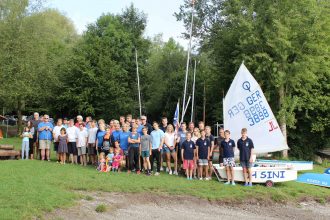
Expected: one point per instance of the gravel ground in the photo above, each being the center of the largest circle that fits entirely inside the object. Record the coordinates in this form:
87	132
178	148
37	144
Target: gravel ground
149	206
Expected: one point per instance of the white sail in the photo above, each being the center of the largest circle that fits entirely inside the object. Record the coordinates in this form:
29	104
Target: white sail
245	106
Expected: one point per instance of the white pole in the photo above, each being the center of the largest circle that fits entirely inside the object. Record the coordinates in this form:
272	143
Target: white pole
138	80
193	94
185	109
188	59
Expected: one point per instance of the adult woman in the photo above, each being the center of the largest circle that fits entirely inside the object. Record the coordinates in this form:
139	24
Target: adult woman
31	141
170	149
99	137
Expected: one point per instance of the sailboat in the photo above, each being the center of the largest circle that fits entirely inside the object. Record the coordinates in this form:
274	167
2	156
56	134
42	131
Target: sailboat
245	106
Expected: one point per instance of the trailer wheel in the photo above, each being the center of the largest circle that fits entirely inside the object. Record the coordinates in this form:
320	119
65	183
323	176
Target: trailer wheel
269	183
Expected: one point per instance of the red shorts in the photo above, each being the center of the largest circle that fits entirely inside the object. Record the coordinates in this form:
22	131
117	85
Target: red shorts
188	164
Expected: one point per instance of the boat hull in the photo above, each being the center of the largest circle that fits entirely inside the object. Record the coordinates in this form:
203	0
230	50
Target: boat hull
260	174
296	165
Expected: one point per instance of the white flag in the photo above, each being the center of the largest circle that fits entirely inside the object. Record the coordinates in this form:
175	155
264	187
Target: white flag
245	106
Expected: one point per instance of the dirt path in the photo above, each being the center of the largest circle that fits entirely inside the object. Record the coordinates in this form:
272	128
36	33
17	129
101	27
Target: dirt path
148	206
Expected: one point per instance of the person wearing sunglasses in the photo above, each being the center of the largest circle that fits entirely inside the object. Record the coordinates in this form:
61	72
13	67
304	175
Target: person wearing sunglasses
45	129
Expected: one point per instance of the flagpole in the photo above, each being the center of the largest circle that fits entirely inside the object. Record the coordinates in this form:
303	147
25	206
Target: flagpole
193	95
138	80
188	58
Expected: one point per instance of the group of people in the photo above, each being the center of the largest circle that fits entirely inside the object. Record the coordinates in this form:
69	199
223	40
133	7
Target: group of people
135	145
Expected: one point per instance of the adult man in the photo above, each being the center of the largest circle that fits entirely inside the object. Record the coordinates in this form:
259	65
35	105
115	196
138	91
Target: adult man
145	123
56	133
45	130
123	140
80	120
65	123
201	125
122	120
191	127
245	146
164	124
209	136
72	132
87	122
220	138
129	119
35	122
157	136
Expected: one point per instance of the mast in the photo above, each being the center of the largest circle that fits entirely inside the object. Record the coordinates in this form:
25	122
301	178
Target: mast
193	95
188	59
138	80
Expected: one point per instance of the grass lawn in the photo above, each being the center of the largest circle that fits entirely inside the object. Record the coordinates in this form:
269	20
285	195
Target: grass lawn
30	188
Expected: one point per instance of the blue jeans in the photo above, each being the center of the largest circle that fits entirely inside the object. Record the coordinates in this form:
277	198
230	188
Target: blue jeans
25	148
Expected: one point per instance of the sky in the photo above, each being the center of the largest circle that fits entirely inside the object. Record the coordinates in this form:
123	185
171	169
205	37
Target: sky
159	12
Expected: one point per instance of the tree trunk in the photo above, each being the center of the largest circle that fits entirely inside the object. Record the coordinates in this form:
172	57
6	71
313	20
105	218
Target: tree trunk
19	115
282	118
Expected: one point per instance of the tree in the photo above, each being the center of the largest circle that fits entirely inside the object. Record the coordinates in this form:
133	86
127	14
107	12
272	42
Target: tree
99	77
286	45
31	40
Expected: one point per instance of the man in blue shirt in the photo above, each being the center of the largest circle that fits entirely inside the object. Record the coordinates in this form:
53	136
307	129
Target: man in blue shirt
157	136
245	146
228	146
45	130
115	134
123	140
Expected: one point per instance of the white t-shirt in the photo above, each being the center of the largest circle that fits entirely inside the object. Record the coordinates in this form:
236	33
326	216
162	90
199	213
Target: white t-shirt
170	139
57	132
72	133
92	135
82	135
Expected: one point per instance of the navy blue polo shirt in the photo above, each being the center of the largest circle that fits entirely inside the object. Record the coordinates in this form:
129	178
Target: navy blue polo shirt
244	147
188	147
228	148
203	146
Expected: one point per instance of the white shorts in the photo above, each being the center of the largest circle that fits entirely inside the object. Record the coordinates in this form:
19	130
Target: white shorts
81	150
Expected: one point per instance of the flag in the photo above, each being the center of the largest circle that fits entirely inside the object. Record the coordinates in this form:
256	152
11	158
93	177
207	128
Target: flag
176	119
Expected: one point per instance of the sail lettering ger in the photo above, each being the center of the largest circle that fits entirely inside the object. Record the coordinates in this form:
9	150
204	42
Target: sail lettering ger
253	109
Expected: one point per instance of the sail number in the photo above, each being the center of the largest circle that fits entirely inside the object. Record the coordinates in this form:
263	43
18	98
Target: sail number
254	113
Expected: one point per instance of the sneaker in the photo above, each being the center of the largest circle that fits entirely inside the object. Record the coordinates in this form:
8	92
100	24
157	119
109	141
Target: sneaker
138	172
170	172
188	178
233	184
195	177
246	184
161	169
166	169
175	173
201	178
191	178
156	174
227	183
250	184
148	174
207	179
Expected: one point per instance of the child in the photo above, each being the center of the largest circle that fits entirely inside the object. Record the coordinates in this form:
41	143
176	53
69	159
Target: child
82	144
134	144
188	153
116	160
245	146
110	158
228	146
102	165
62	145
25	142
170	149
145	150
203	151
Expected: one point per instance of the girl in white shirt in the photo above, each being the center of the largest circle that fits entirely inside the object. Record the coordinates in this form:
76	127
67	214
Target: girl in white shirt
170	149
